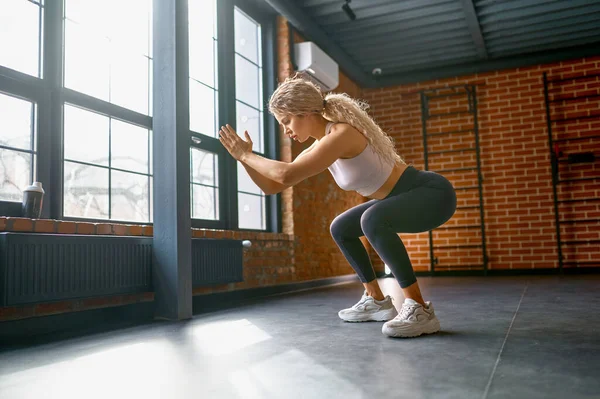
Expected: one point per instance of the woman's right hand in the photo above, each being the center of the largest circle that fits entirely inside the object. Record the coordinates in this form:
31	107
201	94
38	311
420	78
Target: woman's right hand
236	146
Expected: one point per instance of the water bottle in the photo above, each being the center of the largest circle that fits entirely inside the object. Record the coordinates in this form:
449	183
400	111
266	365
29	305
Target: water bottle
33	197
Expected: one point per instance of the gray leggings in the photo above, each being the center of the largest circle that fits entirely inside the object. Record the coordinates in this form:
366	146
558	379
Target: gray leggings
420	201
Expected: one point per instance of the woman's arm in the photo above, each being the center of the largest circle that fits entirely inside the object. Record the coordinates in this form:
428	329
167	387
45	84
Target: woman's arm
268	186
330	148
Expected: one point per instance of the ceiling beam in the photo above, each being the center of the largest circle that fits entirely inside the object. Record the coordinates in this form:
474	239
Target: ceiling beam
474	28
304	23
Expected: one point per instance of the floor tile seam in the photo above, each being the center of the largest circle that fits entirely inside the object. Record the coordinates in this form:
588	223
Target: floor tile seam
489	384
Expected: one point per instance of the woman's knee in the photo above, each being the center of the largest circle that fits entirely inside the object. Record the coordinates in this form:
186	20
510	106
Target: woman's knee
372	221
337	227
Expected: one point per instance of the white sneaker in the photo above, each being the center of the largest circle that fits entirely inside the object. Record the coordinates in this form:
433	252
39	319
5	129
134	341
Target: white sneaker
369	309
414	319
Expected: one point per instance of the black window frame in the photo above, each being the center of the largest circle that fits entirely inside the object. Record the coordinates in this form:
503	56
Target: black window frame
50	95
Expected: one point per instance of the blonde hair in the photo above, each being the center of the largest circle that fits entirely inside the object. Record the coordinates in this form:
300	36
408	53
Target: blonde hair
297	96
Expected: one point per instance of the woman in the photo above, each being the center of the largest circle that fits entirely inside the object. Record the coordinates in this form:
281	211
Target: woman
362	158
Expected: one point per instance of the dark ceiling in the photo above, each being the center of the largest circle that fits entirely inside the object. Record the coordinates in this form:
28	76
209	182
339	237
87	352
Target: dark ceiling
416	40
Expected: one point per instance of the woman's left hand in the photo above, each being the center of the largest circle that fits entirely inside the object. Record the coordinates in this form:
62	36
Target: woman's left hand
236	146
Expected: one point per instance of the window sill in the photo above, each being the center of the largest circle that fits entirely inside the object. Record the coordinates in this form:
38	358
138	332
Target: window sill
50	226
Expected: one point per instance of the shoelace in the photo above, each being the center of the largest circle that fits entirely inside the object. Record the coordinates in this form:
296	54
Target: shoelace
406	311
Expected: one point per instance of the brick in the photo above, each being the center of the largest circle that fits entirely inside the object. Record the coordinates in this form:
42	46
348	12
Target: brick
45	226
135	230
104	228
66	227
197	233
86	228
120	229
20	224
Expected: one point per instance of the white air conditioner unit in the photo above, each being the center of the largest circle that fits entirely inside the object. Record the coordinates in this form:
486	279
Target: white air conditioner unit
317	65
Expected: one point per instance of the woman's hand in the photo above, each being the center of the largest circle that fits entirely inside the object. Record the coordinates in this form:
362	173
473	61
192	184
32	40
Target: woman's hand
236	146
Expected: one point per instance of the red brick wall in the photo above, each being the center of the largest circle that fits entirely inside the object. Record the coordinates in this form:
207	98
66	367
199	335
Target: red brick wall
515	160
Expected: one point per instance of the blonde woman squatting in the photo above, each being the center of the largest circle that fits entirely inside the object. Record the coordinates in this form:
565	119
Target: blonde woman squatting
361	157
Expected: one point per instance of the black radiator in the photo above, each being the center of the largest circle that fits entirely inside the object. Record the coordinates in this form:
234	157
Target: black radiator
46	267
216	261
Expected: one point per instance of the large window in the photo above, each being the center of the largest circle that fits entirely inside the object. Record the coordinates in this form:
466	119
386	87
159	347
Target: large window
76	82
20	50
204	113
107	164
249	114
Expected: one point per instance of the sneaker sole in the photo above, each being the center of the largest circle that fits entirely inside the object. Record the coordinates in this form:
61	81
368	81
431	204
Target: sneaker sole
382	315
431	328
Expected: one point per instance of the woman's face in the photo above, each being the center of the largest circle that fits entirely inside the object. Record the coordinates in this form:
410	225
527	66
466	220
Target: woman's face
297	127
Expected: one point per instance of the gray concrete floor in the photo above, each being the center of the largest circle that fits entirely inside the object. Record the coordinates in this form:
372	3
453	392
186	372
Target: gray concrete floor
503	337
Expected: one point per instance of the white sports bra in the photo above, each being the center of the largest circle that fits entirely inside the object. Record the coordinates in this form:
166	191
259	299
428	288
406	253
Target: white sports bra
364	173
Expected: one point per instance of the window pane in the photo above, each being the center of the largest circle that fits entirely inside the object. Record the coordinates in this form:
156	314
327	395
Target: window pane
202	66
15	122
125	23
202	109
129	81
130	25
251	211
19	36
204	167
247	33
129	197
87	61
205	202
129	147
85	136
15	174
245	183
202	18
92	14
202	59
86	191
205	197
107	45
251	120
247	84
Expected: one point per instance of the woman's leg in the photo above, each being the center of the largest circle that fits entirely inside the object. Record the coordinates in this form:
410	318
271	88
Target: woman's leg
418	210
346	232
